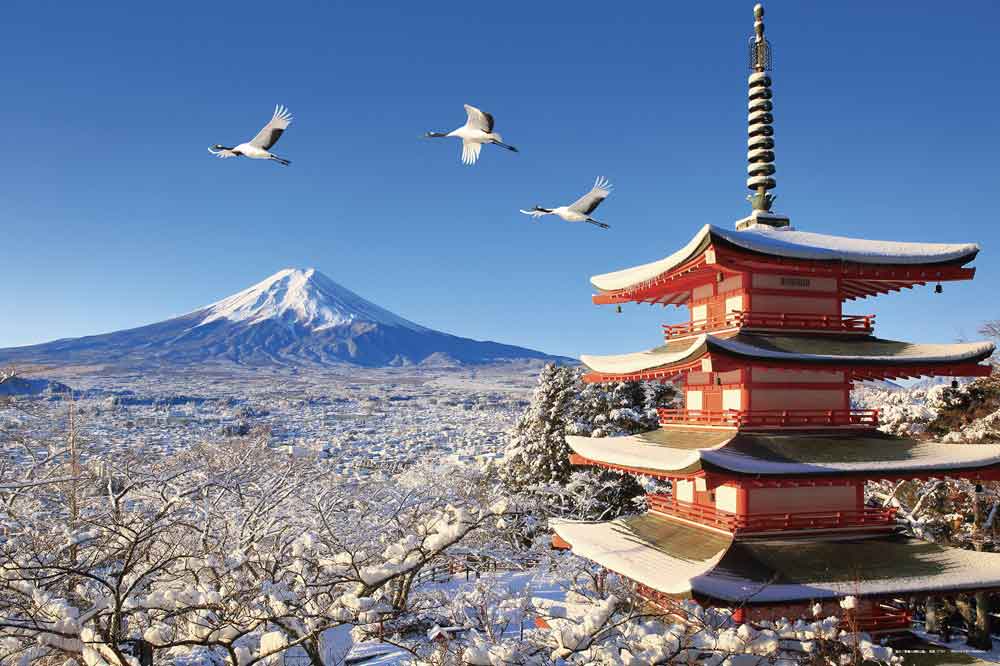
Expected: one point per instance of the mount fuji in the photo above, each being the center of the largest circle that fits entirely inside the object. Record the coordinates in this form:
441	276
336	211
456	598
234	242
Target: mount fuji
295	317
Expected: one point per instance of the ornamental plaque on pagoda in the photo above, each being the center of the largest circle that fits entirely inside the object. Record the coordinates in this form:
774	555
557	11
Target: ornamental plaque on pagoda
767	459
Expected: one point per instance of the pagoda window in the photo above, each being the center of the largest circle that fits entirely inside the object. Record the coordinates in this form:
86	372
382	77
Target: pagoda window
703	292
685	491
699	378
797	398
727	499
792	500
732	399
695	400
728	377
766	302
781	376
730	284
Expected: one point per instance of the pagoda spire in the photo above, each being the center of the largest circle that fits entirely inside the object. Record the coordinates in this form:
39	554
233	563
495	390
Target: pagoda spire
760	145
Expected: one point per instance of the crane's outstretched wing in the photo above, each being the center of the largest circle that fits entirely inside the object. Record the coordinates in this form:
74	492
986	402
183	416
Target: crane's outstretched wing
533	213
272	131
479	119
470	152
589	202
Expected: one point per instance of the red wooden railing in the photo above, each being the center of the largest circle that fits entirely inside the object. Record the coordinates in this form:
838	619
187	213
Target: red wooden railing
880	620
883	620
771	417
773	320
772	522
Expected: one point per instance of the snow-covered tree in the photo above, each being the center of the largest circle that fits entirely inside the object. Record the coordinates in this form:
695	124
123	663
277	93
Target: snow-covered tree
226	554
537	457
602	622
536	451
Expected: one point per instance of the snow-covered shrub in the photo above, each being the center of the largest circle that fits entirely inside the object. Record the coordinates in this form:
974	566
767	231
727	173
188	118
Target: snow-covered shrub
969	413
618	628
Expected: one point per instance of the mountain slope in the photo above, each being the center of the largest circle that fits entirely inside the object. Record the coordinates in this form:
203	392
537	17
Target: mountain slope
294	317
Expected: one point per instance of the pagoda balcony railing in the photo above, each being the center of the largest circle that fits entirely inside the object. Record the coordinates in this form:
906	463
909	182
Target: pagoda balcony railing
770	418
772	522
879	620
773	320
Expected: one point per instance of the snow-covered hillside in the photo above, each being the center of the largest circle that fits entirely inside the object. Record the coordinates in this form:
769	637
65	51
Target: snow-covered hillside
294	317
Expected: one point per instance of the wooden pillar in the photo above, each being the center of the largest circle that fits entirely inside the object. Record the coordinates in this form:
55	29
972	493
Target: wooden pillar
742	500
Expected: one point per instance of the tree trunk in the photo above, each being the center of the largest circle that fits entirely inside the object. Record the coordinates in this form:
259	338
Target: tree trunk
979	626
979	632
933	622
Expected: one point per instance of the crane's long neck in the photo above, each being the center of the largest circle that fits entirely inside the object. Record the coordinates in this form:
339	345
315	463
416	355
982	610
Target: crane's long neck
435	135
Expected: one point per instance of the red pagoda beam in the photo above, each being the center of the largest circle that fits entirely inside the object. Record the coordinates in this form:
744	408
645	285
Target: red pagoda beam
860	280
663	373
683	279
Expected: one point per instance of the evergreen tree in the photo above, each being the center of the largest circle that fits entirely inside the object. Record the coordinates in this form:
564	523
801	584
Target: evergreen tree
537	456
607	410
537	452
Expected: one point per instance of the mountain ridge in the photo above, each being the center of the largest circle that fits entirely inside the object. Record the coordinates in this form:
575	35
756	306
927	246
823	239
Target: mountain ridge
295	317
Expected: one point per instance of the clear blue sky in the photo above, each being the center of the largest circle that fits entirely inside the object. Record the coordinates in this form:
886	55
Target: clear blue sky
114	215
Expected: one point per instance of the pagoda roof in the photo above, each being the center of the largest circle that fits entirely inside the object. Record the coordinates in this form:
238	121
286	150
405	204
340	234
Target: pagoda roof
678	559
789	243
837	350
679	451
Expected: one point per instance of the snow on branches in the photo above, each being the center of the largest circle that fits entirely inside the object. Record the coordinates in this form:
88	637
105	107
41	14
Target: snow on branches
537	457
213	554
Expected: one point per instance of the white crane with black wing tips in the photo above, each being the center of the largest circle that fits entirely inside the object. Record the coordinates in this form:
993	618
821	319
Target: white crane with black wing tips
477	130
579	210
258	148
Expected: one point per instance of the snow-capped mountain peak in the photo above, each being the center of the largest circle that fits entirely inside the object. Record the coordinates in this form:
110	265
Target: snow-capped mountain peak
303	297
296	317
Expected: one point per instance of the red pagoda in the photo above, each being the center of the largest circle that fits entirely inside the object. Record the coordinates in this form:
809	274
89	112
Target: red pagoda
767	461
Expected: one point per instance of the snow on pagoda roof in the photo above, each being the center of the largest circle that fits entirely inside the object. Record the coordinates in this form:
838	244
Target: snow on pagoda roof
686	451
864	349
777	570
672	352
793	244
677	559
850	350
665	555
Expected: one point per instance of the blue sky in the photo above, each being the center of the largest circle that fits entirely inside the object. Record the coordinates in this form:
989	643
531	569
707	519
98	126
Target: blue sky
114	215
